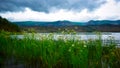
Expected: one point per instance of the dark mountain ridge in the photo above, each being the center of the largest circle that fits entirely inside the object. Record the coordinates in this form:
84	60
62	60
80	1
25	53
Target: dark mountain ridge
36	23
57	26
67	23
103	22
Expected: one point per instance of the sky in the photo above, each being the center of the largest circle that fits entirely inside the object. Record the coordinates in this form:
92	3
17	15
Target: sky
54	10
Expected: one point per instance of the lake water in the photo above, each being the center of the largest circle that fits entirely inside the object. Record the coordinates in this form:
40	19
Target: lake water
82	36
106	36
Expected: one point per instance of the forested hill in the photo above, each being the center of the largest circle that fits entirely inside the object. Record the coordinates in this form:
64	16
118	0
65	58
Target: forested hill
8	26
58	26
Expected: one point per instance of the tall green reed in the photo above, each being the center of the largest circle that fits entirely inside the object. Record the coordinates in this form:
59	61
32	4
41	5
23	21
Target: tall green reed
46	52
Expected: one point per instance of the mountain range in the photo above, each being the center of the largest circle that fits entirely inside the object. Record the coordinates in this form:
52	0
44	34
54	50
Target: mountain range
57	26
68	23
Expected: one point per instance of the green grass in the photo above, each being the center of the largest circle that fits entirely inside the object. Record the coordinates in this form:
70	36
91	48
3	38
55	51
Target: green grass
50	53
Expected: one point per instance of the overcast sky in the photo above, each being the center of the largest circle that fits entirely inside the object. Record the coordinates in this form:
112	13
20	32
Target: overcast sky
53	10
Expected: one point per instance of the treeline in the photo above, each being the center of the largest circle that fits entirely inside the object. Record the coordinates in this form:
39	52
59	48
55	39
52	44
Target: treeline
8	26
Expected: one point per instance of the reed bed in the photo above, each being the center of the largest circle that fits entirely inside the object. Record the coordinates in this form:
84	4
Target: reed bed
49	53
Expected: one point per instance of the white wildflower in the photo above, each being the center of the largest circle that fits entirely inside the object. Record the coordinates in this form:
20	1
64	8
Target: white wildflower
73	45
85	45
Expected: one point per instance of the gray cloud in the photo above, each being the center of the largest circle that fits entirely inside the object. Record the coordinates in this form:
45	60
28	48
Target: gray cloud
117	0
46	5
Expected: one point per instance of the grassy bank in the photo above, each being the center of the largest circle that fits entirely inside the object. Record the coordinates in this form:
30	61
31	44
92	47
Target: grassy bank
50	53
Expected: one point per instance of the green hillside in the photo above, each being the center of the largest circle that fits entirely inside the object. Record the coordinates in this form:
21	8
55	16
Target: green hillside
8	26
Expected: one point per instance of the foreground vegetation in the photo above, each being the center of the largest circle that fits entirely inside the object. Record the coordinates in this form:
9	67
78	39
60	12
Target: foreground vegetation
49	53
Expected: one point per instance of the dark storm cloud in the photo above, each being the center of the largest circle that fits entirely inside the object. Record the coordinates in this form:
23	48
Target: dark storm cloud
46	5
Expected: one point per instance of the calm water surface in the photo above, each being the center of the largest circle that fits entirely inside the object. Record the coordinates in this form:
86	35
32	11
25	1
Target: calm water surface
82	36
